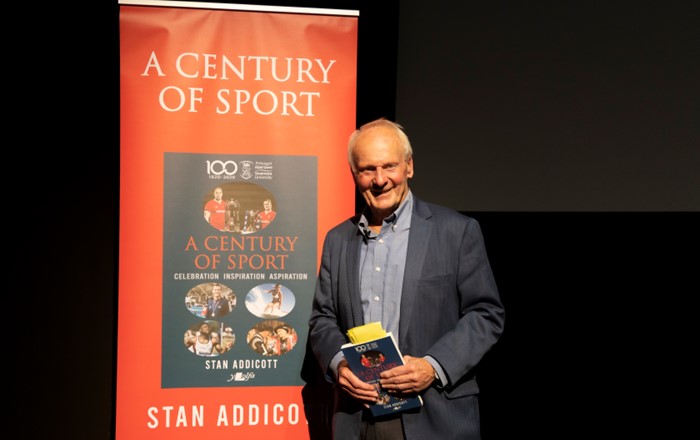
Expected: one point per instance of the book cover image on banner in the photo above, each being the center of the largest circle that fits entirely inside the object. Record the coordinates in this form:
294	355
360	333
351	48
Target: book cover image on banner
239	261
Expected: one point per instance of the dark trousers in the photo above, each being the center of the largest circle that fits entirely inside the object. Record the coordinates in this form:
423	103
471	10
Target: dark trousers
382	429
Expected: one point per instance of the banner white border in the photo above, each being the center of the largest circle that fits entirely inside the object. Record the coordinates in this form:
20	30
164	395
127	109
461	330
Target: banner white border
241	7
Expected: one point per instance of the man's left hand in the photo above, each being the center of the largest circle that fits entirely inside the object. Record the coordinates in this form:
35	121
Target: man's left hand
416	375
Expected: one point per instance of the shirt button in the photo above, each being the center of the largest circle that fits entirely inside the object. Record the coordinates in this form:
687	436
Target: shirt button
393	228
378	269
376	298
381	240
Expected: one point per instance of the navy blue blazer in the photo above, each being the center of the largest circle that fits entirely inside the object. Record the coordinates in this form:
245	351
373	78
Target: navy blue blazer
450	310
217	310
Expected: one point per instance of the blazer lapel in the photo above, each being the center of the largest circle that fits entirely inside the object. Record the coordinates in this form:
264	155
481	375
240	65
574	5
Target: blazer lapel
418	239
354	244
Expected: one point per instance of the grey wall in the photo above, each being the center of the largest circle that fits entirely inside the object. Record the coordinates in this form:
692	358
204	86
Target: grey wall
552	106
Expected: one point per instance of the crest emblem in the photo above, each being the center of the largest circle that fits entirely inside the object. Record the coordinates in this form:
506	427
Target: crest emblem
246	169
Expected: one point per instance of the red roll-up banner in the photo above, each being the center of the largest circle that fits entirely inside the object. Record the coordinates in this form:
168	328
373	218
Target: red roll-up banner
234	128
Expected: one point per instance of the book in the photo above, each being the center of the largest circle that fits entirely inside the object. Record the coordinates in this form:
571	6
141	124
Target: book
370	352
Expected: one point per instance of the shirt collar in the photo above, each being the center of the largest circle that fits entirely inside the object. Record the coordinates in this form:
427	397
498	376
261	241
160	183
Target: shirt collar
401	218
398	219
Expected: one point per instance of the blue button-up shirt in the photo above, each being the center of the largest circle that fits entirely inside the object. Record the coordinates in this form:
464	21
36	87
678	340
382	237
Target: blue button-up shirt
382	264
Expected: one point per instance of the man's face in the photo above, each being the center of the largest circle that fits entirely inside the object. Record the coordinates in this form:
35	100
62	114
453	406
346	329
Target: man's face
382	173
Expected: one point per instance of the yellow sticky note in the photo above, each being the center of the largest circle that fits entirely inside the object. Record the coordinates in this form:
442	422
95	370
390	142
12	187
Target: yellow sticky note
367	332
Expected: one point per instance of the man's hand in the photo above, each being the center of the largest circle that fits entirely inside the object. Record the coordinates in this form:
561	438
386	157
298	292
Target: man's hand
354	386
413	377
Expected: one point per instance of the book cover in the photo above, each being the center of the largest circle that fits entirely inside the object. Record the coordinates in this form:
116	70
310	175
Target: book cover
368	359
234	275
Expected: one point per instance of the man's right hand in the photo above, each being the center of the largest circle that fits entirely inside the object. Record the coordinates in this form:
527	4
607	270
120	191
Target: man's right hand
354	386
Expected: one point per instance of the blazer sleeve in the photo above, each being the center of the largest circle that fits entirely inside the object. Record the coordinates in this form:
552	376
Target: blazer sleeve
456	311
335	302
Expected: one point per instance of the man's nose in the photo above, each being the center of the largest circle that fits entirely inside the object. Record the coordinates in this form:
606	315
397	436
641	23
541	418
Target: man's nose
380	176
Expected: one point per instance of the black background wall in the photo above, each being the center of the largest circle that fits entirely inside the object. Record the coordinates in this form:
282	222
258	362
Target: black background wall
599	296
553	106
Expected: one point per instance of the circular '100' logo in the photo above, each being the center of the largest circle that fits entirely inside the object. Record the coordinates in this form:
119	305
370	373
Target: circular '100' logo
218	167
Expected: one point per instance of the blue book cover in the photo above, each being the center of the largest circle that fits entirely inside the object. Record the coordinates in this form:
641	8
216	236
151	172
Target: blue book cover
367	360
235	275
